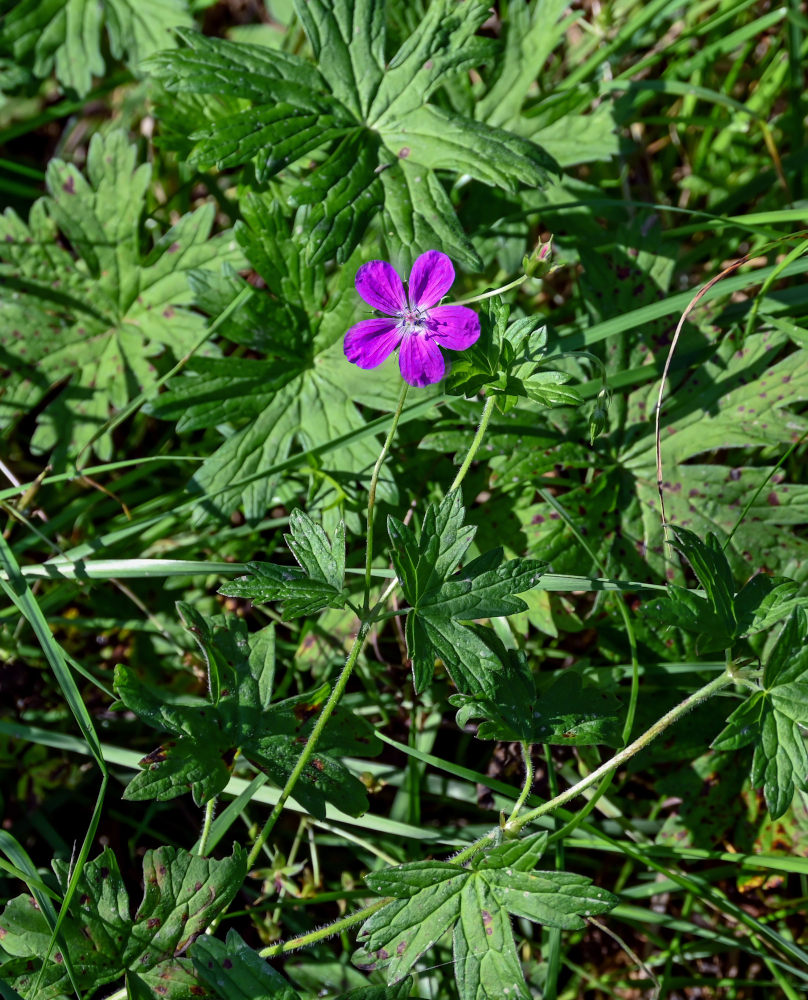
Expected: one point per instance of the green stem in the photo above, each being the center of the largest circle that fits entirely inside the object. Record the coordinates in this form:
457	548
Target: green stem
374	479
497	291
468	852
353	656
722	681
210	811
283	947
529	773
311	743
386	615
474	447
514	826
727	678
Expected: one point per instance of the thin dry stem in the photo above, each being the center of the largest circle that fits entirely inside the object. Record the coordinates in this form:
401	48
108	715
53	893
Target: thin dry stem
658	409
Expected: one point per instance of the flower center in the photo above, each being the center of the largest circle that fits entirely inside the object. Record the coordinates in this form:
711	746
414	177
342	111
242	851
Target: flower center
413	319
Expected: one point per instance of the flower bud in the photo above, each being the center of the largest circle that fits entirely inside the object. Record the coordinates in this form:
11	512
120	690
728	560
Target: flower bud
539	263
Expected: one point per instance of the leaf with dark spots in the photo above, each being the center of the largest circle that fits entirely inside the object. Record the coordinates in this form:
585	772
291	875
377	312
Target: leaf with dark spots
159	755
270	735
235	972
723	616
104	941
198	887
305	711
431	898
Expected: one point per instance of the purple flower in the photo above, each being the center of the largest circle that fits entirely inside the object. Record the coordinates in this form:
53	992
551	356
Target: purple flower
415	322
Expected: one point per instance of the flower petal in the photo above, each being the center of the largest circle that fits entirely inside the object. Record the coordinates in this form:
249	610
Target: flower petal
420	360
380	286
455	327
431	278
372	341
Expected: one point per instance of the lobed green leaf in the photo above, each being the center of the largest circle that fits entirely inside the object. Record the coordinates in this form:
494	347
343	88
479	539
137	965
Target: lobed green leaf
773	720
434	897
565	713
270	735
183	894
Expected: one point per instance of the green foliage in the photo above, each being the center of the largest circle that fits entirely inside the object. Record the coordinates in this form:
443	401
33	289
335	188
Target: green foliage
182	895
65	35
749	393
235	972
773	719
744	397
441	602
97	321
508	361
241	719
382	142
318	584
565	713
433	897
273	159
722	617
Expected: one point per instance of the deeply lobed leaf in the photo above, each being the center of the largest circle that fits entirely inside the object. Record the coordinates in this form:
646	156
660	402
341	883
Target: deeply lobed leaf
722	617
183	893
431	898
66	34
774	718
243	719
367	118
318	584
564	714
485	588
120	308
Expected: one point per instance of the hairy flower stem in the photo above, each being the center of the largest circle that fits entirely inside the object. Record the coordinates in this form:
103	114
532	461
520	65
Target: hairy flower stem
311	744
474	447
497	291
703	693
515	823
366	621
374	479
283	947
529	772
210	811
